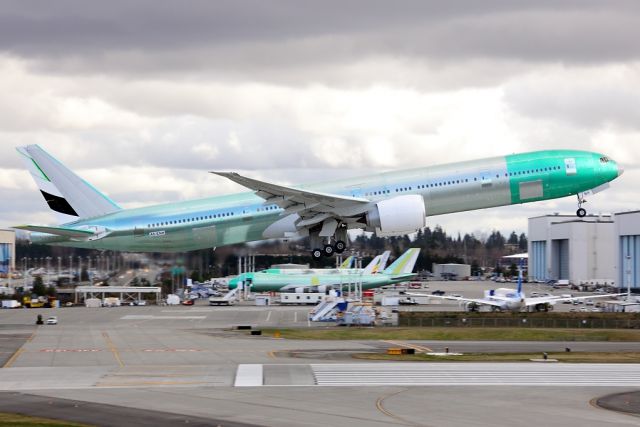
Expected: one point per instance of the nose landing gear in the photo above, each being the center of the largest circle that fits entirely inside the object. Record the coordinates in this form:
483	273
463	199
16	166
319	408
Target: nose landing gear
581	212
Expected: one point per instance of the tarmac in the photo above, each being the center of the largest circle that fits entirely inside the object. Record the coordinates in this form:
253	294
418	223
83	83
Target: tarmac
165	365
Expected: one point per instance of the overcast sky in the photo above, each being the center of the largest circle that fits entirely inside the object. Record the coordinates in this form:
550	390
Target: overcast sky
142	98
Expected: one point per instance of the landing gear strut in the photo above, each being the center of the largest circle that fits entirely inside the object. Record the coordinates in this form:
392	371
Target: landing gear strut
581	212
323	242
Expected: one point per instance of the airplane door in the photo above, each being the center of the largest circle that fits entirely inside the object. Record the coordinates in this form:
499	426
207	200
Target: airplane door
205	234
486	180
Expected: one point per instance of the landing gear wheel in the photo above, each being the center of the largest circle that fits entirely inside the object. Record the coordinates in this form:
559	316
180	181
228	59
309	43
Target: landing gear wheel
340	246
316	253
581	212
328	250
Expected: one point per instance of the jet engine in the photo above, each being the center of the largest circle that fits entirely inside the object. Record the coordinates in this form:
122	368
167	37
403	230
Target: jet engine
300	290
397	216
471	307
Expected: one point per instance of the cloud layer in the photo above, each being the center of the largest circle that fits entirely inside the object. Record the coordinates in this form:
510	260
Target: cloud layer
143	99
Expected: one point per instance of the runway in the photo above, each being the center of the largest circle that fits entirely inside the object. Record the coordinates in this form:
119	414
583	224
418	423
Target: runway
184	361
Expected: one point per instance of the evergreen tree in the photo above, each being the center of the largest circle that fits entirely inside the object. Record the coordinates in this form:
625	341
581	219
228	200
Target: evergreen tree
38	287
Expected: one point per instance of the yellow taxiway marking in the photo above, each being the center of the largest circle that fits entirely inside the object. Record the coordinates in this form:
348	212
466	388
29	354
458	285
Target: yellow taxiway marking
381	408
13	358
408	345
18	352
113	348
271	354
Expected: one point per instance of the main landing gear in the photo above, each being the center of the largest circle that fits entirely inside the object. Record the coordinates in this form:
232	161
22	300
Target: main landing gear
328	250
581	212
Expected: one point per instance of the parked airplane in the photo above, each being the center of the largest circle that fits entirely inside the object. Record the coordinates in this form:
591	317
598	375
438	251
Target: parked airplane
378	264
506	299
400	271
391	203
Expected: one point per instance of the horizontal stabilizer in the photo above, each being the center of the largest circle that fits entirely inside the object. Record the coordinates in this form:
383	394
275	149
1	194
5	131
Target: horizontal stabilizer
72	233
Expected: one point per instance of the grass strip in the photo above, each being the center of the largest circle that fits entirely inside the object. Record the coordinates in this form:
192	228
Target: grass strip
7	420
457	334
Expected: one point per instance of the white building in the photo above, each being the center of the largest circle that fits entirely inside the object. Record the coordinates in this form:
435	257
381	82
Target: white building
7	252
598	250
580	250
628	250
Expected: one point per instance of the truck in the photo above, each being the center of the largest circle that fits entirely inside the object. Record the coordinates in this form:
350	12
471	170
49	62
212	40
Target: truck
10	303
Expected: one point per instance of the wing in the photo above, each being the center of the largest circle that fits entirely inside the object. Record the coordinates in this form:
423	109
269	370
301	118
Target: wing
313	207
544	300
460	299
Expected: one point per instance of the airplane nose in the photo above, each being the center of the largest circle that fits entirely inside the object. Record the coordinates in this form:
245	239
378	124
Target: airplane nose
620	169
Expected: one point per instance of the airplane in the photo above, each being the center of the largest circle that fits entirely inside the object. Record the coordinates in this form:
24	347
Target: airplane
377	264
390	203
507	299
400	271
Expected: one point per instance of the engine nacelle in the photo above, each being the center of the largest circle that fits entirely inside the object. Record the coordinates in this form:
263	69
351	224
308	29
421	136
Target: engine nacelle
398	216
300	290
471	307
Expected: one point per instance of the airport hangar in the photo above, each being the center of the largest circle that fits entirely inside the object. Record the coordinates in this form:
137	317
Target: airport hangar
7	251
595	250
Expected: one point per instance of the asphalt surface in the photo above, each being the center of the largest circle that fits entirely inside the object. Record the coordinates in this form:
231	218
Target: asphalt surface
168	364
621	402
100	414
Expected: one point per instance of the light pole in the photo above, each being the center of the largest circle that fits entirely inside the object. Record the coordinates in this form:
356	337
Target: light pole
89	270
628	278
24	272
48	268
59	268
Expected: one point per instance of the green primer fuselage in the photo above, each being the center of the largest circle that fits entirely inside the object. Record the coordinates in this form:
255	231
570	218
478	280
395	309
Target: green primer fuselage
276	282
455	187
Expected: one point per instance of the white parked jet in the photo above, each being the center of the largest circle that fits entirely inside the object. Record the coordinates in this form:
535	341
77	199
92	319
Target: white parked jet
504	299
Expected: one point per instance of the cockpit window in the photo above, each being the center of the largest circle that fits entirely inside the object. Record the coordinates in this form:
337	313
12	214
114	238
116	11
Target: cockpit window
604	159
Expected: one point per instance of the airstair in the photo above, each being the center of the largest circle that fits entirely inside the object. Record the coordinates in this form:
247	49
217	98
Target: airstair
326	310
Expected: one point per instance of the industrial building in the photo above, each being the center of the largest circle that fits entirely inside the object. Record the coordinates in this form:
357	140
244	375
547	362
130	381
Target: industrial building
451	271
594	250
7	252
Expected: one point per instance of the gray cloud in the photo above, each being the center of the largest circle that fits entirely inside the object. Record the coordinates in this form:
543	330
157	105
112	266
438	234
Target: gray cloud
143	98
262	40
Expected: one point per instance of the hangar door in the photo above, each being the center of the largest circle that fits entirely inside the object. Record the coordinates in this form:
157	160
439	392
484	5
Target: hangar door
538	260
629	267
560	259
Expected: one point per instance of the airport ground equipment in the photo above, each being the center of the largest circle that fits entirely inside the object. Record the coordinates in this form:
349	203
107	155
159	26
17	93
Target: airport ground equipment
229	298
358	315
326	310
391	203
126	294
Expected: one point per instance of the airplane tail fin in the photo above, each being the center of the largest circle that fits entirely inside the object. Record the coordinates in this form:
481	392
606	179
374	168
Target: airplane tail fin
520	264
347	263
405	263
372	266
66	193
383	261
